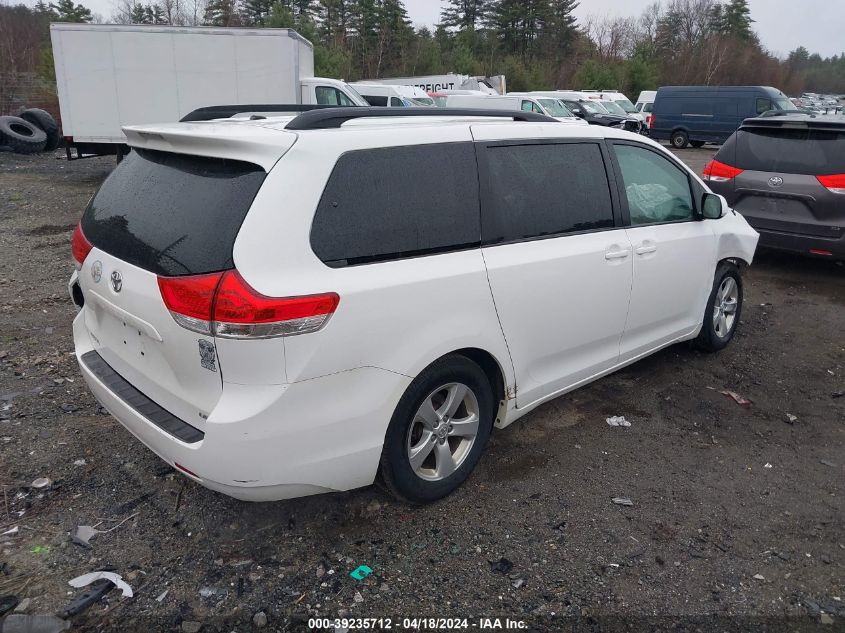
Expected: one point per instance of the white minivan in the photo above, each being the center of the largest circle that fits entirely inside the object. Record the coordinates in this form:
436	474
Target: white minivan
276	308
548	106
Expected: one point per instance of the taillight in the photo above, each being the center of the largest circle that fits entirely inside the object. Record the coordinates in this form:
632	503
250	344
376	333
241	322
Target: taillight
225	305
191	299
835	183
720	172
648	120
79	246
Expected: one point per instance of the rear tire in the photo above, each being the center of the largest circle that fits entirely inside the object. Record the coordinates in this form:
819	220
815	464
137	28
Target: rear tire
45	121
723	311
22	136
438	431
697	144
679	139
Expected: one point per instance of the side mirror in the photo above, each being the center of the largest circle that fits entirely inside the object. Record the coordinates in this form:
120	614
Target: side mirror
713	206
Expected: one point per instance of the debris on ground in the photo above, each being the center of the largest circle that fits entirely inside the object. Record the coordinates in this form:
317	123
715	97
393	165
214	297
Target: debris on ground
259	620
86	579
361	572
21	623
358	597
518	583
84	534
759	577
95	593
23	605
825	462
41	483
7	603
767	465
11	532
740	400
618	420
791	419
501	566
162	595
622	501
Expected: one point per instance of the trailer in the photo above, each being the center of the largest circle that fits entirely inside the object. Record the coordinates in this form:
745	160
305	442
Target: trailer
109	76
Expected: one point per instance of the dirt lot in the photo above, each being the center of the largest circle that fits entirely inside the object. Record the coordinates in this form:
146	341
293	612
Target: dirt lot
737	519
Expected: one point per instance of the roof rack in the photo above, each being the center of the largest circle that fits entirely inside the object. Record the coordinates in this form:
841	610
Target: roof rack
226	111
335	117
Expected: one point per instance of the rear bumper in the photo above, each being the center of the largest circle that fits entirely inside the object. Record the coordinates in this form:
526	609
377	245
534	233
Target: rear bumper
272	442
804	244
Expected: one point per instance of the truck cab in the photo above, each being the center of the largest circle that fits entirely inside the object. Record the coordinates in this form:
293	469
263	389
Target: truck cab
323	91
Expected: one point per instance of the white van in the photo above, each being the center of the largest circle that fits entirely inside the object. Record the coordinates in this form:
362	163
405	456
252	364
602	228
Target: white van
645	105
619	99
384	95
541	105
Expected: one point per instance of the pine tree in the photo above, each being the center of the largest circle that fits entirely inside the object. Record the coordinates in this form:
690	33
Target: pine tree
67	11
138	14
256	12
519	23
334	17
718	22
738	19
562	25
464	14
222	13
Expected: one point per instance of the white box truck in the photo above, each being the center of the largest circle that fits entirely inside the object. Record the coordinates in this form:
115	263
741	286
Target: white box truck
438	83
109	76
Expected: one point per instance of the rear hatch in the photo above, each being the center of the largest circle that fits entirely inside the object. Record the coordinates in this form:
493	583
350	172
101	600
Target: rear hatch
161	215
786	177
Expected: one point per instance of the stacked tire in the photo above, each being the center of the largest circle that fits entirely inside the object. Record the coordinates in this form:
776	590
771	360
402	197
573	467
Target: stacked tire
35	130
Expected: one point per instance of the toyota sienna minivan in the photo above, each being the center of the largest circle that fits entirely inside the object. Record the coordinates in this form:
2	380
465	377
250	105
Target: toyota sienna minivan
292	305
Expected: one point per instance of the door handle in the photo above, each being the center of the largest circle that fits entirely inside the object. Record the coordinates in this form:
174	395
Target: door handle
646	249
617	254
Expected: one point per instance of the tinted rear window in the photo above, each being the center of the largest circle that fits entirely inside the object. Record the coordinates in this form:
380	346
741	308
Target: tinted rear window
807	152
172	214
396	202
543	190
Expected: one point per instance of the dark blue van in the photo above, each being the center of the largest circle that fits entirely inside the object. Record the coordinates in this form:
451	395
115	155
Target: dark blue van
695	115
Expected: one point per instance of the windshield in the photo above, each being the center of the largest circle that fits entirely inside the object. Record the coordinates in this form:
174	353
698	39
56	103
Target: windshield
592	107
355	94
428	102
554	107
625	105
613	107
784	104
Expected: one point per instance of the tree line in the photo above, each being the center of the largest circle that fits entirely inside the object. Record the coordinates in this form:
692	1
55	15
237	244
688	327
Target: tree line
537	44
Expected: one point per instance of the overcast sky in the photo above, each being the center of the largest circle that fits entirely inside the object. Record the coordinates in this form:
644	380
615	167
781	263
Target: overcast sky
783	25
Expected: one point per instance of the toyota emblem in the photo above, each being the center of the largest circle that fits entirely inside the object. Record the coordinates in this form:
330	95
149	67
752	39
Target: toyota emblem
775	181
116	281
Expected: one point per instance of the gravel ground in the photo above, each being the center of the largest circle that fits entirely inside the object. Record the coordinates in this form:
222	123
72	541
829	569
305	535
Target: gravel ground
736	522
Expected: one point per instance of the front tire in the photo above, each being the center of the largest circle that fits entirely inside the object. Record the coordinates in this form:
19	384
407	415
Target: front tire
438	431
723	311
679	139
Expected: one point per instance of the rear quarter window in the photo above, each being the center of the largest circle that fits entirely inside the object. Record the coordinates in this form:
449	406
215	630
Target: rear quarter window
793	151
391	203
172	214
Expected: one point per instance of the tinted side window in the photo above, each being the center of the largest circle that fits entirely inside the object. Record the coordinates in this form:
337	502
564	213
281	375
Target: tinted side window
763	105
657	190
396	102
543	190
396	202
806	152
375	101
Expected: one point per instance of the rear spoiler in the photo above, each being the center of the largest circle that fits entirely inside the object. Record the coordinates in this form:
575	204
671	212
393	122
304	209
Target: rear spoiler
792	120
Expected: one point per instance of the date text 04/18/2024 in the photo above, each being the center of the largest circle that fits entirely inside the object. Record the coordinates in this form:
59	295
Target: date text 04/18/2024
415	624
